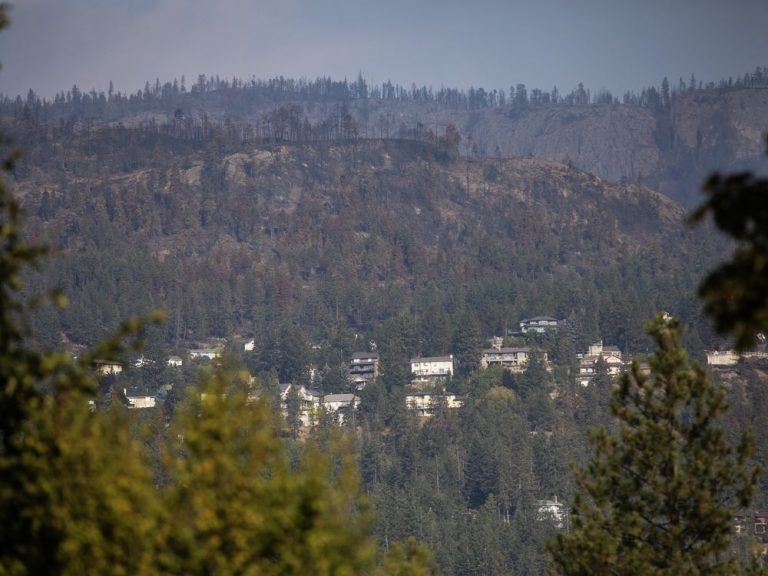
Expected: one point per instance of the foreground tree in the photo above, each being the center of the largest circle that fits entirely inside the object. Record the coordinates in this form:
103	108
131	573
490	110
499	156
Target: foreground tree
658	496
736	294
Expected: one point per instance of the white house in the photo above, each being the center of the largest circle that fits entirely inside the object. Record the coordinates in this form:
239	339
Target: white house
431	369
724	358
553	511
141	362
175	361
138	402
334	403
540	324
209	353
731	358
250	345
425	403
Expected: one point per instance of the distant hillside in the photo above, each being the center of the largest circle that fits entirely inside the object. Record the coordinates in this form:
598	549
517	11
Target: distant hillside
341	235
668	139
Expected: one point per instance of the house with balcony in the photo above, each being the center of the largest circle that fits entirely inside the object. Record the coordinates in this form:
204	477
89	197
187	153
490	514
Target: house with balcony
588	363
309	402
363	368
510	358
431	370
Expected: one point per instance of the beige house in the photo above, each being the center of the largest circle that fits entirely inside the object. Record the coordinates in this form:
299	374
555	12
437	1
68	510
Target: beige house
610	355
512	359
108	367
725	358
138	402
339	403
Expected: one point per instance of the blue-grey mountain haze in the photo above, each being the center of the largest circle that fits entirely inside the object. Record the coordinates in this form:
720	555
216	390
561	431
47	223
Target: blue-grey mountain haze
612	44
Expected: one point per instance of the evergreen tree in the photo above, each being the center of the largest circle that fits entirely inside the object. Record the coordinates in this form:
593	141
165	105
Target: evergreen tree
658	496
736	294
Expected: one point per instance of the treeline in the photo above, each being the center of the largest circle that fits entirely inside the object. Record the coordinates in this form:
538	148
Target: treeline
239	96
287	123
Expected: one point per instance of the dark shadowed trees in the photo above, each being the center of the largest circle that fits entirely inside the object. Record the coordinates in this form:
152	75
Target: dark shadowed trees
658	495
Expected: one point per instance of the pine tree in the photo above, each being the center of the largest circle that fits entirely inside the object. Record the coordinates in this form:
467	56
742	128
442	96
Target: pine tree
658	496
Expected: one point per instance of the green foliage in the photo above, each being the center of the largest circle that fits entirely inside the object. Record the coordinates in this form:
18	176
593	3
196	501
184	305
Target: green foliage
658	496
408	558
736	294
235	504
75	495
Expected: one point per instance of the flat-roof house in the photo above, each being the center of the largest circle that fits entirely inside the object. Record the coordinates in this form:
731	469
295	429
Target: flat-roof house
138	402
108	367
539	324
432	368
209	353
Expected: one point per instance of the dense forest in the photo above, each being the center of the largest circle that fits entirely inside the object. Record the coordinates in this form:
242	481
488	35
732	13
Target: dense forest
338	236
316	234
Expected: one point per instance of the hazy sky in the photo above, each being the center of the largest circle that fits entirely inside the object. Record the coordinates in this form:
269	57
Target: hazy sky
613	44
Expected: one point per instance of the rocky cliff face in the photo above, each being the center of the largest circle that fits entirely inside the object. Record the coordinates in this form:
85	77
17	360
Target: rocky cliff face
670	150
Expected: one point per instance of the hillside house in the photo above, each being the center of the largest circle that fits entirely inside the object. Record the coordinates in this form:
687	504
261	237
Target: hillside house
431	370
175	361
249	345
512	359
338	404
108	367
726	358
539	324
209	353
138	402
425	403
363	368
309	402
552	511
610	355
